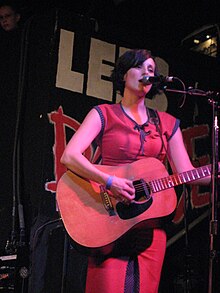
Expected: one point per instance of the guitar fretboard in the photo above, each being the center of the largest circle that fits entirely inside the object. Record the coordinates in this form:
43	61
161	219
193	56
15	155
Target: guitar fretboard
178	179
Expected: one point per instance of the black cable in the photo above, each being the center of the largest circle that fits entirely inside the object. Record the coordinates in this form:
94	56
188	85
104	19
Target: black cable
11	245
188	284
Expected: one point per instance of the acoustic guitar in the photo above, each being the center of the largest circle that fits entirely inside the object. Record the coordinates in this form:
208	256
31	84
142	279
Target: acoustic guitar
93	218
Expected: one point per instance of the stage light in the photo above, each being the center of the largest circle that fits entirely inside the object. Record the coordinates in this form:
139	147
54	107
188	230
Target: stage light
196	41
205	40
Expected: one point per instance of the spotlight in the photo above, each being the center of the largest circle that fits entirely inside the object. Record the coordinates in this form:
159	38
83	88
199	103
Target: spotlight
204	40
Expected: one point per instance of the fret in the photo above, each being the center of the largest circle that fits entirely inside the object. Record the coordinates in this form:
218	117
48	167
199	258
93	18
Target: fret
203	172
178	179
197	171
161	184
200	172
169	182
156	185
191	176
174	178
164	182
153	185
206	171
194	175
182	178
188	177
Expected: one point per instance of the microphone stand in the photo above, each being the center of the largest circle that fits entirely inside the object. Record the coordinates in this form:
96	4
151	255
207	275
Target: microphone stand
214	199
213	232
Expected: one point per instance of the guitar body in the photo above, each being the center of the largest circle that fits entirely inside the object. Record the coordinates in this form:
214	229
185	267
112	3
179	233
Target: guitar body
86	219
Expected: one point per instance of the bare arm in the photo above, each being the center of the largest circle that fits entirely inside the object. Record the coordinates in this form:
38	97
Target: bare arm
74	159
73	156
179	158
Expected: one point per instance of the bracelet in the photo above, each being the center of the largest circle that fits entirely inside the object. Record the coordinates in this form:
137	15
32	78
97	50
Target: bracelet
109	182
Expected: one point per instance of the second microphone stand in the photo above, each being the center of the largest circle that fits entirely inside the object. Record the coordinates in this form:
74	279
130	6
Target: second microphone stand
213	99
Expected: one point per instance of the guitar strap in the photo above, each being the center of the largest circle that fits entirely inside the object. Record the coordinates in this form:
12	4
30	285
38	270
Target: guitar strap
154	119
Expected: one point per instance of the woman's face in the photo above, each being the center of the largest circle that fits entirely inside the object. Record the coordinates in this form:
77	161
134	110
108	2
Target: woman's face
134	74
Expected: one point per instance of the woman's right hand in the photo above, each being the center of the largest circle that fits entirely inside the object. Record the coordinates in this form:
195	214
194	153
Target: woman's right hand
122	189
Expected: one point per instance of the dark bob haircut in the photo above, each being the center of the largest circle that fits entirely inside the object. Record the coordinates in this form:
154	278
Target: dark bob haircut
131	58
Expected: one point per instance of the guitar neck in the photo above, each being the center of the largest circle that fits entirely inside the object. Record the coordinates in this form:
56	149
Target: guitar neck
181	178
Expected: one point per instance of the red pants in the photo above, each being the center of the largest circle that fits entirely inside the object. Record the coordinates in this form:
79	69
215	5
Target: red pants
108	275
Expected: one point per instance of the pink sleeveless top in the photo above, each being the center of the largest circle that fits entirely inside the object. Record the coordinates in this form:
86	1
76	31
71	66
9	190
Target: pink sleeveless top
123	141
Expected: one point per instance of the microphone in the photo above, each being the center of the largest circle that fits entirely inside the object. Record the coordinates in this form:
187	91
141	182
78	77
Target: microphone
146	80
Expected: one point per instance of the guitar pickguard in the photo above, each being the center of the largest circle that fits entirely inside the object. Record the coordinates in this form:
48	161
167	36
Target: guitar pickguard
132	210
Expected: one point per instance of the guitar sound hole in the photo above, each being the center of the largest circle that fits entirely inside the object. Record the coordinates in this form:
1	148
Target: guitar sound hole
142	190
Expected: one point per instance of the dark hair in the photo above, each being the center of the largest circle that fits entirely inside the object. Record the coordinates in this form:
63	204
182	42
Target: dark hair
10	4
131	58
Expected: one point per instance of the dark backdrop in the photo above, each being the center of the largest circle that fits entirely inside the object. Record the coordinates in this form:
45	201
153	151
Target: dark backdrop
43	117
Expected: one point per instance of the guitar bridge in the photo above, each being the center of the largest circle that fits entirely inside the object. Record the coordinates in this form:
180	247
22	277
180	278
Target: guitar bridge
107	201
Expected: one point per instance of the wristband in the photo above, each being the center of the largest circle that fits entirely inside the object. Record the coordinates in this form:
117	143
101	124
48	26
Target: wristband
109	182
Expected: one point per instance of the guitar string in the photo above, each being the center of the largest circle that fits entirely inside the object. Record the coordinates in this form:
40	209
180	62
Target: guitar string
166	182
